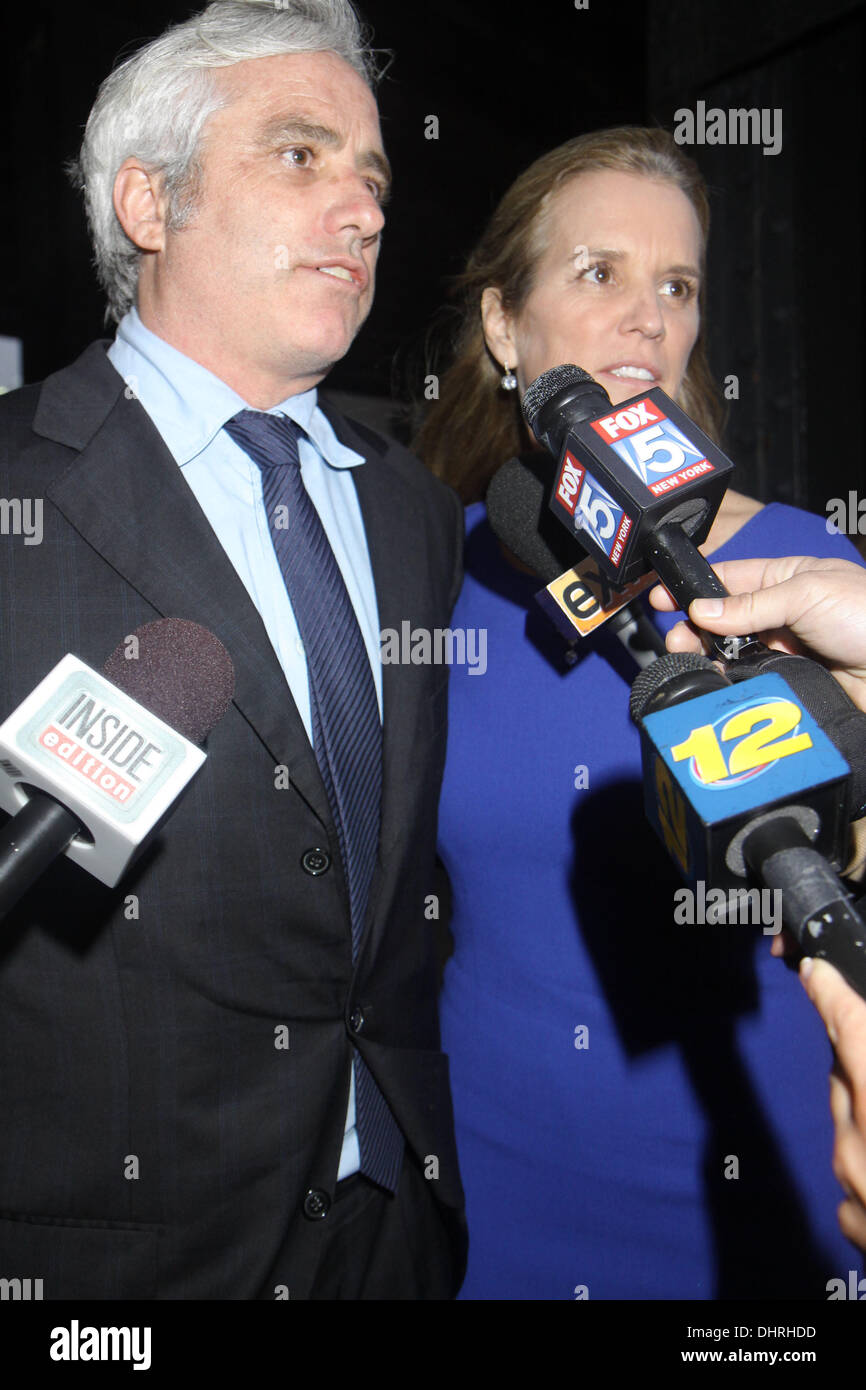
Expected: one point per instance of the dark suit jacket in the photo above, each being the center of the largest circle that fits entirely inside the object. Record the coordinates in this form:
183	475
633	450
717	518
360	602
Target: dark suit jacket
156	1142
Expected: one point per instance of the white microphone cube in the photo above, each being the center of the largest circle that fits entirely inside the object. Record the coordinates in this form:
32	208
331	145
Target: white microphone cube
114	765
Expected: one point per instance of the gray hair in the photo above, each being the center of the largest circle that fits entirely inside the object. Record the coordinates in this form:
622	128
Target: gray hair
155	105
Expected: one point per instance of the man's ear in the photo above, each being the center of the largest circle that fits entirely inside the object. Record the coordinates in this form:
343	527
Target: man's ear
140	205
497	326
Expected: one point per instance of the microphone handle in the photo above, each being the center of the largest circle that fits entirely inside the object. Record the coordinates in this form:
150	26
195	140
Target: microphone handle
30	841
816	907
641	640
688	575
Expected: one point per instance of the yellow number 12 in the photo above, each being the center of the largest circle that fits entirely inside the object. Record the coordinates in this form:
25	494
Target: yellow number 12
762	746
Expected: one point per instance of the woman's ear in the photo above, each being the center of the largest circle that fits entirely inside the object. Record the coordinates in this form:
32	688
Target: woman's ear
498	333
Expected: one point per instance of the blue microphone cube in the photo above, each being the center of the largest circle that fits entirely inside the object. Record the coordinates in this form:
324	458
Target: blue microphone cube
713	764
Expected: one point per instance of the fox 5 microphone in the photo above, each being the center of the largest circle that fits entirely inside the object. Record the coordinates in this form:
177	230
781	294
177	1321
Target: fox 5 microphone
639	483
91	764
740	781
577	599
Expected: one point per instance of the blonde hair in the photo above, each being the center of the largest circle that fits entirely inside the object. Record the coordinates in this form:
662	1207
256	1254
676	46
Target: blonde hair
474	426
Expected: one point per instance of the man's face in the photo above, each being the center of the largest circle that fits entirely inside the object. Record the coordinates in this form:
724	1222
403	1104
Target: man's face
274	274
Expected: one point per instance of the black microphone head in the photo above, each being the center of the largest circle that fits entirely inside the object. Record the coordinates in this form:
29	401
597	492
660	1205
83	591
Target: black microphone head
560	399
519	516
544	386
671	679
179	671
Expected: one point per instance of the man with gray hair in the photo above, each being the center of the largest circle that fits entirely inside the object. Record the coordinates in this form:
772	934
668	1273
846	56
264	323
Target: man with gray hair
222	1079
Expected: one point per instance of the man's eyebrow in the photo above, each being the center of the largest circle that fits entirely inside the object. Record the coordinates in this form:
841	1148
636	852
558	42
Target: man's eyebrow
287	128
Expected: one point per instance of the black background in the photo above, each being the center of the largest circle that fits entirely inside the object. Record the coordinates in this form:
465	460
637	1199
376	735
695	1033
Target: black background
507	83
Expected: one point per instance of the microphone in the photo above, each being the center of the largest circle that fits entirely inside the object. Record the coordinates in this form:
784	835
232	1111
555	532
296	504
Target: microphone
739	780
91	766
639	482
640	485
578	600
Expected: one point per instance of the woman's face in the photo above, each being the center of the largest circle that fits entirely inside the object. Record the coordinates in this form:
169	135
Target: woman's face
615	292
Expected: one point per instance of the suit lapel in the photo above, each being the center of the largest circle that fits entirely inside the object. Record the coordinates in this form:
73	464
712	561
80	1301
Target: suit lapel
125	496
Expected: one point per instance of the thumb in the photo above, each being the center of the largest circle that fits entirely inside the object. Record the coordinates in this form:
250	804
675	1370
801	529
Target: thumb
759	611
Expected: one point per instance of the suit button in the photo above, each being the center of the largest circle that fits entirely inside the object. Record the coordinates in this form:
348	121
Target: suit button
356	1020
317	1204
315	861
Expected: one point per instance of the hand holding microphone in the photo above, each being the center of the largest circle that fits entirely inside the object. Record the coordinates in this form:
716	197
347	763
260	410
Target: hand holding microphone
793	603
821	604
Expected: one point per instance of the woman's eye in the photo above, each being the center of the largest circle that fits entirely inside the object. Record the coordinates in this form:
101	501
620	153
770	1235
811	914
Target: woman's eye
680	289
598	274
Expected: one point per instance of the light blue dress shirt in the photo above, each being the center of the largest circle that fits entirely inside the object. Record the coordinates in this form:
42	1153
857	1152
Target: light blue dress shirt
189	406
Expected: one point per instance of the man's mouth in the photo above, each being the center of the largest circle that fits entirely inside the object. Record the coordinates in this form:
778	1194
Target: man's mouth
352	272
338	271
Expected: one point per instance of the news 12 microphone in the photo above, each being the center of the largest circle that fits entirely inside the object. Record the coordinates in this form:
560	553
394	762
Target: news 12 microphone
90	766
740	782
577	599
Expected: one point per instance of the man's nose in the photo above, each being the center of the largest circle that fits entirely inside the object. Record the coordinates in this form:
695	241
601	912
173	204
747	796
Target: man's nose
354	205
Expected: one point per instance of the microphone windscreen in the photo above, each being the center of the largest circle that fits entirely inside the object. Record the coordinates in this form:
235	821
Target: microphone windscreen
179	671
653	678
519	516
545	386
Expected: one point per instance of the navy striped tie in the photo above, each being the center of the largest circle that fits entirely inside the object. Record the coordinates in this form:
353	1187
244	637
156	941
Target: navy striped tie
347	731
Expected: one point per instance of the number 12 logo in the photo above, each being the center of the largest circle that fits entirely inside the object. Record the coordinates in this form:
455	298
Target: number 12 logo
753	750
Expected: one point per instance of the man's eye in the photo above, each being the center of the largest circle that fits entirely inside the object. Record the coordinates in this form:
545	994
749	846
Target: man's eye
299	155
377	189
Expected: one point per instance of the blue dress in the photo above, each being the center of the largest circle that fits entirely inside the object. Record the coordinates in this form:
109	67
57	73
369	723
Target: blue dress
641	1107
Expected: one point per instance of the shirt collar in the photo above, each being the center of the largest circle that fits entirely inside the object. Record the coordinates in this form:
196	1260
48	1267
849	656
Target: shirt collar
189	404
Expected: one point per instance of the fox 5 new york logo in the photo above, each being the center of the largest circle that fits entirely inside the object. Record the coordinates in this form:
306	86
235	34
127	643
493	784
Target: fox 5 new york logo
599	519
653	446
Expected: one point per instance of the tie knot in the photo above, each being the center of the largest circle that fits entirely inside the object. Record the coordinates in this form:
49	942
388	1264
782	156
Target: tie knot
270	440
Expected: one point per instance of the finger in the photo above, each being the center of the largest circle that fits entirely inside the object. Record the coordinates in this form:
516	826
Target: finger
683	638
662	599
852	1223
844	1014
785	945
841	1107
849	1162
